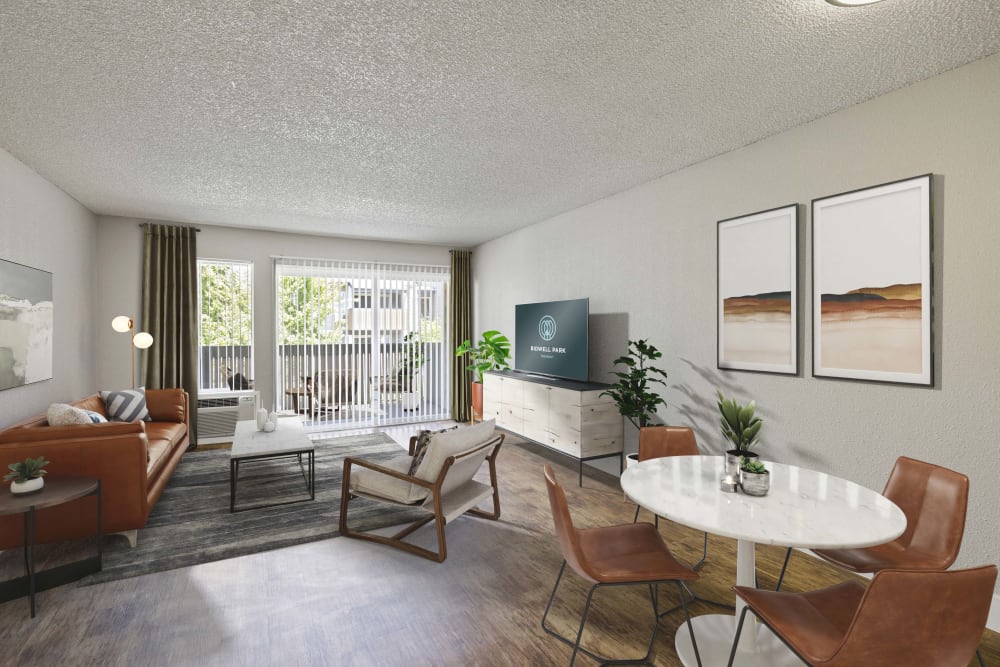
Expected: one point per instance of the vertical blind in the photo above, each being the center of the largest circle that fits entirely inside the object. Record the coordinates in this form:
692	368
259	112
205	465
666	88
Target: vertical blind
361	343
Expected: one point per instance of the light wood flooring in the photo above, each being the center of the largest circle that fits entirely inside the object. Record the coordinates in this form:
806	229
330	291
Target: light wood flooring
348	602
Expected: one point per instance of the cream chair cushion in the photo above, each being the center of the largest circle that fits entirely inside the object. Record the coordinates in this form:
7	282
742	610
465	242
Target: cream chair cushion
365	481
450	443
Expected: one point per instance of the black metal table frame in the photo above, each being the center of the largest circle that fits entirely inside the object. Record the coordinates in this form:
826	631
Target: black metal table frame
35	582
310	476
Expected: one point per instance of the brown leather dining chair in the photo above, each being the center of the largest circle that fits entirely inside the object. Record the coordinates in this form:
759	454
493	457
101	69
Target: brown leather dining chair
621	555
918	618
658	441
934	501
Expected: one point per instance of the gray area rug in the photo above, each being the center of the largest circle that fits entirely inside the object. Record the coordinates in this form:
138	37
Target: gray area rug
191	522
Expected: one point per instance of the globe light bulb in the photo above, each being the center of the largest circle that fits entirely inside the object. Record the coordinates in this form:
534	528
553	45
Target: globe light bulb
142	340
122	323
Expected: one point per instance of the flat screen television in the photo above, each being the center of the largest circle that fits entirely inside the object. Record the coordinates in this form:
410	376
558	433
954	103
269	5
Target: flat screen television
552	338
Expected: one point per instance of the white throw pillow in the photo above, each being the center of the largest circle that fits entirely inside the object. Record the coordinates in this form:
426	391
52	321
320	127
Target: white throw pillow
449	443
63	414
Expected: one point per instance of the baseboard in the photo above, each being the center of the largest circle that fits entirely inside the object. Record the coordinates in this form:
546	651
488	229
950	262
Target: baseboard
992	621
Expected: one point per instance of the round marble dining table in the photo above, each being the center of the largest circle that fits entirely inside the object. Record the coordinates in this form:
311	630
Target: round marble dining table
804	508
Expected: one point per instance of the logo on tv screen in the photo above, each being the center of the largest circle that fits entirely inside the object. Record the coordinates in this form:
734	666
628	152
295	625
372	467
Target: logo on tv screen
547	327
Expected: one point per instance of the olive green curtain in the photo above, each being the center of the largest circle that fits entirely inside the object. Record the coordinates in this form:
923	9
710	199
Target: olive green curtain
170	311
460	316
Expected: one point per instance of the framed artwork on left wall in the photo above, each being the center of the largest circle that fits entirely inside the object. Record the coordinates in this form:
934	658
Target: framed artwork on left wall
25	325
757	302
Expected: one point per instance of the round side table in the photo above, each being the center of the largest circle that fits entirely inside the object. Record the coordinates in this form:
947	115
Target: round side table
57	490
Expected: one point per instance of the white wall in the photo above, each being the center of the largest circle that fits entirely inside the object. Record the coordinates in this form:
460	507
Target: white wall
120	263
43	227
646	259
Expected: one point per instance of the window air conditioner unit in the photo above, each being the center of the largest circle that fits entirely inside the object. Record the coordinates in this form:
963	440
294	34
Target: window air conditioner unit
218	413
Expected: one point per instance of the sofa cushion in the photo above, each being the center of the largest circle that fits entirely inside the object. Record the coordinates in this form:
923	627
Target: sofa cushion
366	480
167	431
63	414
158	455
449	443
126	405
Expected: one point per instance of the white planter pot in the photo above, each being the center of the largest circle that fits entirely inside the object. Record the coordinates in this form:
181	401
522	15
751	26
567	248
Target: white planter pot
30	486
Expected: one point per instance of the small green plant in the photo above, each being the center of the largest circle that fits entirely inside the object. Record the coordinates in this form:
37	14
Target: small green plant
752	465
632	393
489	354
411	360
739	424
30	468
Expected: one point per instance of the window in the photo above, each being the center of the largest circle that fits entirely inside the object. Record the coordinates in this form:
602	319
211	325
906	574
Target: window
225	331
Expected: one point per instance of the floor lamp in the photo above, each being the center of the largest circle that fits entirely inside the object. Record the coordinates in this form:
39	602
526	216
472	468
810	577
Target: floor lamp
141	340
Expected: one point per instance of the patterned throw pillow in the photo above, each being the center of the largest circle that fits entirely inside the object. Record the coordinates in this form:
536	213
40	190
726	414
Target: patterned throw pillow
126	405
424	439
96	417
63	414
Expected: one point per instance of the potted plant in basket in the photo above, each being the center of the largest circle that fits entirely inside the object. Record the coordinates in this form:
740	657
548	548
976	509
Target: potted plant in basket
411	360
633	395
27	476
755	479
491	353
741	427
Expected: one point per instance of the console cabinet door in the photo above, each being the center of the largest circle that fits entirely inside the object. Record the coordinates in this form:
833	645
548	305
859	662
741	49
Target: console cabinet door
491	397
511	404
536	410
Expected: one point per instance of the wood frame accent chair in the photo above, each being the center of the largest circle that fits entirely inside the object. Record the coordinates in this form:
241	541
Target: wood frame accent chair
919	618
658	441
624	555
440	482
934	500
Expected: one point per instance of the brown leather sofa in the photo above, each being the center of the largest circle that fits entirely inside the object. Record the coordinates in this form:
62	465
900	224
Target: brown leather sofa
133	460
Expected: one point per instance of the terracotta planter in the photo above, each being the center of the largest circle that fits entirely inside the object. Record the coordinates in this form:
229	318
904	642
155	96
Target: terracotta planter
477	401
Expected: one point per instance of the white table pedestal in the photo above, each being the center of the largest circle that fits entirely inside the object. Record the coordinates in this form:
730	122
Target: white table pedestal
715	634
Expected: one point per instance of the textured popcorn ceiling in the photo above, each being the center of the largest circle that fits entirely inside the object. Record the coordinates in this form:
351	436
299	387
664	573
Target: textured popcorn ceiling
446	121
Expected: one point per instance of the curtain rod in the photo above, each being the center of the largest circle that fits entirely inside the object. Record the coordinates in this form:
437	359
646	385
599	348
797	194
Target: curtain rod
147	224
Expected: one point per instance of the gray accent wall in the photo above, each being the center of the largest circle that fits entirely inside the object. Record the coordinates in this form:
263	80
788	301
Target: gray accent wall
646	258
43	227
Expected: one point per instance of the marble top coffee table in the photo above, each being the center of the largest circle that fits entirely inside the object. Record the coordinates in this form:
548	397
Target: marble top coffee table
287	440
804	508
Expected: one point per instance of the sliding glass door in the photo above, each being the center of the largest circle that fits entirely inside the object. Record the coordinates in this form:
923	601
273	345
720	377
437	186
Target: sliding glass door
361	343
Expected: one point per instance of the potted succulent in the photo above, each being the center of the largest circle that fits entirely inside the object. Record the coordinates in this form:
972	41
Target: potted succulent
741	427
755	479
27	476
411	360
491	353
632	393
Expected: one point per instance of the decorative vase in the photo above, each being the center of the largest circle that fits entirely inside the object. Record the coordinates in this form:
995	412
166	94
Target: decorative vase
733	463
261	419
477	401
269	426
28	486
755	483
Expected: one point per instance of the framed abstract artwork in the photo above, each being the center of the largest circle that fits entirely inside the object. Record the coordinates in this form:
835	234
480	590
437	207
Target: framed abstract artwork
25	325
758	291
872	283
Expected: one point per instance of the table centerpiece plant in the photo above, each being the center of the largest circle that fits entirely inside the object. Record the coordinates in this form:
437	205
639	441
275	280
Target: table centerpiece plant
741	427
755	479
27	476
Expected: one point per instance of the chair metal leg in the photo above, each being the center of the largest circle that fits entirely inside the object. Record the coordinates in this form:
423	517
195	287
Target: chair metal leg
736	639
636	517
781	577
704	554
687	619
979	656
575	645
